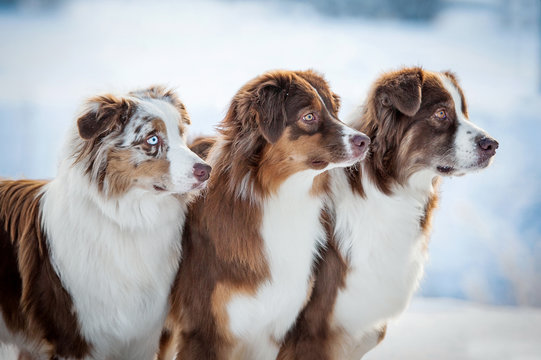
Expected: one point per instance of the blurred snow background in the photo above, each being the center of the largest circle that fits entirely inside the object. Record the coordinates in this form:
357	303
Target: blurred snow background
486	244
448	329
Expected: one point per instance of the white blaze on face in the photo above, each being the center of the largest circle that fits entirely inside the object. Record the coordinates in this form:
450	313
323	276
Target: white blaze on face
181	158
467	135
353	156
348	135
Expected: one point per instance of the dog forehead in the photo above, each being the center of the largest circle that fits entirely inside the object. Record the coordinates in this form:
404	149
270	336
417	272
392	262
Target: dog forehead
160	108
152	109
305	96
451	85
434	92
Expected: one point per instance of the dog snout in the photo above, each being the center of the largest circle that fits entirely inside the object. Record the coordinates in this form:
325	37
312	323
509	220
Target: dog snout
487	147
359	144
201	171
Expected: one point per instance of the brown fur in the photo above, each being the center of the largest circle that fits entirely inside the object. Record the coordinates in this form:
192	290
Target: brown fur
222	246
23	355
201	146
33	302
30	286
168	340
106	117
397	116
399	122
382	333
122	173
311	336
426	221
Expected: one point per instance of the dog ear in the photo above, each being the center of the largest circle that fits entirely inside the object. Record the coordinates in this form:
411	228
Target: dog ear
201	146
271	117
102	114
401	90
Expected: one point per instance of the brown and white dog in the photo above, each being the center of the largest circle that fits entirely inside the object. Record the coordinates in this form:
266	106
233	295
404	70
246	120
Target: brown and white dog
87	260
250	242
382	209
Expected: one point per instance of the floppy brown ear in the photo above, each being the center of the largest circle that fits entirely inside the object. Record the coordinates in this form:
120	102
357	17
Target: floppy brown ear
271	110
402	90
202	145
102	114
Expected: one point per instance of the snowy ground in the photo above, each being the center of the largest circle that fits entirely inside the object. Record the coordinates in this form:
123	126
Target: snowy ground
486	244
456	330
443	329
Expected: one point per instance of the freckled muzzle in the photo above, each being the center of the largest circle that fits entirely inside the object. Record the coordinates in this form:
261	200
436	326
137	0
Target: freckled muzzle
188	171
356	144
345	147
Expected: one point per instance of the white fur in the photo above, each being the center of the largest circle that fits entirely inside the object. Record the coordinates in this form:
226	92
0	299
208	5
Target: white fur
15	340
179	156
4	332
382	238
291	231
347	135
466	151
117	256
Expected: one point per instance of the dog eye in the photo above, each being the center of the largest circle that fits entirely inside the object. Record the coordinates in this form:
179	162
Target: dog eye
441	114
153	140
309	117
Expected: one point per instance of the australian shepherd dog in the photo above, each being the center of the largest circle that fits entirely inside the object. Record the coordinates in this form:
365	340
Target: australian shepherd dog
87	260
250	242
381	211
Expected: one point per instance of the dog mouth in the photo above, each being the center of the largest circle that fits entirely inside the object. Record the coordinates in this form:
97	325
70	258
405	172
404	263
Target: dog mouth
484	162
342	160
450	170
445	169
159	188
319	164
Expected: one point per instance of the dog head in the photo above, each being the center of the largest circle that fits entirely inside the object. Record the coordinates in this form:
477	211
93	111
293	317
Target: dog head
139	141
283	122
419	120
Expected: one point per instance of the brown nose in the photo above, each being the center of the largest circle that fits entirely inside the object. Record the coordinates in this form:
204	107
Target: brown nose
201	171
360	144
487	147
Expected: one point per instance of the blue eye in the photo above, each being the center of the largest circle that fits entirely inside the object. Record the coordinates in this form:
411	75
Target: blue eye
153	140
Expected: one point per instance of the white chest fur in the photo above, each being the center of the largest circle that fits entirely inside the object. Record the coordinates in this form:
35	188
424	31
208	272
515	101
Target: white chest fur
291	230
117	259
382	238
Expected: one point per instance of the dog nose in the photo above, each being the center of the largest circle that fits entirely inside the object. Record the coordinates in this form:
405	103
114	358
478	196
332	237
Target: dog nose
201	171
360	144
488	146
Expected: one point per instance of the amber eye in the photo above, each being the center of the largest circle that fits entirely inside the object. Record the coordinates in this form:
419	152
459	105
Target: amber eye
309	117
441	114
